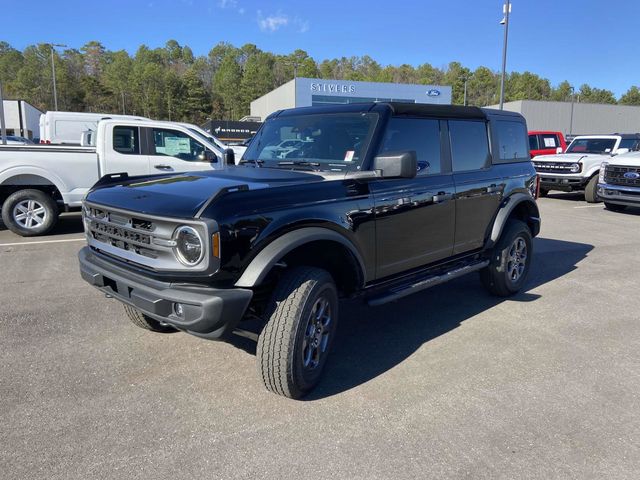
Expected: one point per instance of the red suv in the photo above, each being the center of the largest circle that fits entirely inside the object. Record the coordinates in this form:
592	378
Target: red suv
546	143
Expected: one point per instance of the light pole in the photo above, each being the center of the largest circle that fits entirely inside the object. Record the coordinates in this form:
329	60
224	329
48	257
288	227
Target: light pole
506	8
464	101
53	73
573	96
3	129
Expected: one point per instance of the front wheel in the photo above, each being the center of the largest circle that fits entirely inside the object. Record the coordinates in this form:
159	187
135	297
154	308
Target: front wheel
145	322
301	324
591	190
29	212
510	260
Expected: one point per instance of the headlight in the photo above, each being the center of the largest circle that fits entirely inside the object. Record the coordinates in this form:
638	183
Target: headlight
575	167
189	249
603	167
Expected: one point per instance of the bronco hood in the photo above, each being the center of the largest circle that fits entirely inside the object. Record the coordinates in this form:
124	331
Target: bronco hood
183	195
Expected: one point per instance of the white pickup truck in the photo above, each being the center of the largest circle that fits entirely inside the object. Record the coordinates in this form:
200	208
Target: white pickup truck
37	182
579	166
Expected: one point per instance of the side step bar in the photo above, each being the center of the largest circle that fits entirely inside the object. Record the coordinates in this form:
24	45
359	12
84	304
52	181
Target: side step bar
404	290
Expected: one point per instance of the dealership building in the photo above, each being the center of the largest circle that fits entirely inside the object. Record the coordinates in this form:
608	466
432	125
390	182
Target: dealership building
306	92
577	118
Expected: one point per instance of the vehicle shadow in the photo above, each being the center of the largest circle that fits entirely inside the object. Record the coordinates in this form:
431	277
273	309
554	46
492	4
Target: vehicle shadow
567	196
372	341
67	223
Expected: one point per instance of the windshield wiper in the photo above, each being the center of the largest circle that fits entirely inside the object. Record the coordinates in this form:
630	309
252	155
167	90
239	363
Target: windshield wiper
257	163
299	163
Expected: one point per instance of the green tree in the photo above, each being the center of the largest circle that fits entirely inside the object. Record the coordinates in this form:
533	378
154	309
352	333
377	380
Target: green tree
631	96
226	82
563	92
257	78
595	95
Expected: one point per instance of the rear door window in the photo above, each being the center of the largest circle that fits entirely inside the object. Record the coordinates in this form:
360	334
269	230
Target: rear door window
126	140
512	141
533	142
418	134
469	145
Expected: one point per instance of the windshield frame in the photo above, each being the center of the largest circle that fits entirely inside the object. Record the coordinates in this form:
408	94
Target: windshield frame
312	163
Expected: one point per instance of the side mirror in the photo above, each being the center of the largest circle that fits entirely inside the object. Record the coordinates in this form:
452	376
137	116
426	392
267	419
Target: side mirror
620	151
208	156
559	150
229	157
402	164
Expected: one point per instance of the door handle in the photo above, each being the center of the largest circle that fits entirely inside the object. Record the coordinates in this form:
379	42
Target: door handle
162	167
442	197
493	188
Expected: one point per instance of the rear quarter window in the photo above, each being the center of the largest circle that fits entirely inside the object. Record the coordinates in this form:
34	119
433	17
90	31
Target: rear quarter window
513	145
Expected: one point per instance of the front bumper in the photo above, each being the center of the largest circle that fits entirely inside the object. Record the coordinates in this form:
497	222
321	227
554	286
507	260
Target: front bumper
564	183
207	312
619	194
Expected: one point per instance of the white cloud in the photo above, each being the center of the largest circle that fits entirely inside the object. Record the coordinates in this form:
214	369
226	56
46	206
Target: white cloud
228	3
273	22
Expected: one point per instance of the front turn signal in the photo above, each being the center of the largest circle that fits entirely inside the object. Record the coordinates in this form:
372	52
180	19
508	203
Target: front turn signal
215	244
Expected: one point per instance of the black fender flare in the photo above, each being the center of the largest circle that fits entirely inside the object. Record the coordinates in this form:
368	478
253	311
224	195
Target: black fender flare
505	211
260	266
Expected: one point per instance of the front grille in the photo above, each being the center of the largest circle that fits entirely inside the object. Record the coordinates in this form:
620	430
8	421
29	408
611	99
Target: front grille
554	167
615	175
136	238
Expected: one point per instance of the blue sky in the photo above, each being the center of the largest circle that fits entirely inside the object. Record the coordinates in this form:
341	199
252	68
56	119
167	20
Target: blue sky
591	41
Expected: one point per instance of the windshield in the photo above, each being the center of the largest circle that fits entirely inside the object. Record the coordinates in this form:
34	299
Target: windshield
592	145
335	141
208	138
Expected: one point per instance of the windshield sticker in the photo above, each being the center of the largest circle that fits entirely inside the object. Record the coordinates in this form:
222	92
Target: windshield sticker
549	142
176	145
348	156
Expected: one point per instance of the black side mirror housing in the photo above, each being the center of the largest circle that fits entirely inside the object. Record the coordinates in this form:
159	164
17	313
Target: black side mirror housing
229	157
208	156
401	164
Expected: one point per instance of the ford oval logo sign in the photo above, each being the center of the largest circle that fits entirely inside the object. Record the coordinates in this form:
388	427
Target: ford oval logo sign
632	175
433	93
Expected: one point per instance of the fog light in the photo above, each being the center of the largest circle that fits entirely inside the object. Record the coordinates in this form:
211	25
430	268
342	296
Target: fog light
178	309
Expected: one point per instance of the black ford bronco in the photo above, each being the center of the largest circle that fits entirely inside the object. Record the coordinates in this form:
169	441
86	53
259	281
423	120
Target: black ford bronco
376	200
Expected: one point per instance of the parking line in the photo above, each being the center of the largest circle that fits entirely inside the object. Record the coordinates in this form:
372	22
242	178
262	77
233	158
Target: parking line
42	242
589	206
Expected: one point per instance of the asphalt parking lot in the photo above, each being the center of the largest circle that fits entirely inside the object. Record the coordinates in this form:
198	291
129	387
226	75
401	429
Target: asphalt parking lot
448	383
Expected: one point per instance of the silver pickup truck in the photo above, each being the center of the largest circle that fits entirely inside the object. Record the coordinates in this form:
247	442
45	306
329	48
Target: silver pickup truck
37	182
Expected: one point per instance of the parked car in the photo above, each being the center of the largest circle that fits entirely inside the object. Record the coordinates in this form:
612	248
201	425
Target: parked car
619	182
382	200
578	168
16	140
546	143
37	182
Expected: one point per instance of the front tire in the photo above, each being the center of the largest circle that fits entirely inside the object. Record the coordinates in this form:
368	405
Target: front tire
591	190
614	207
29	213
543	192
510	260
301	324
145	322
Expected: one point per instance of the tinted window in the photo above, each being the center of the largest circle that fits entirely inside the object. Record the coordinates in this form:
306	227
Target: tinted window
173	143
126	140
336	141
469	145
550	141
421	135
512	143
592	145
630	143
533	142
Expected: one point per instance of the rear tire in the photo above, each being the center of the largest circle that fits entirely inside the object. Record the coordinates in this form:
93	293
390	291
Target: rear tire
591	190
543	192
510	260
29	213
295	343
614	207
141	320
